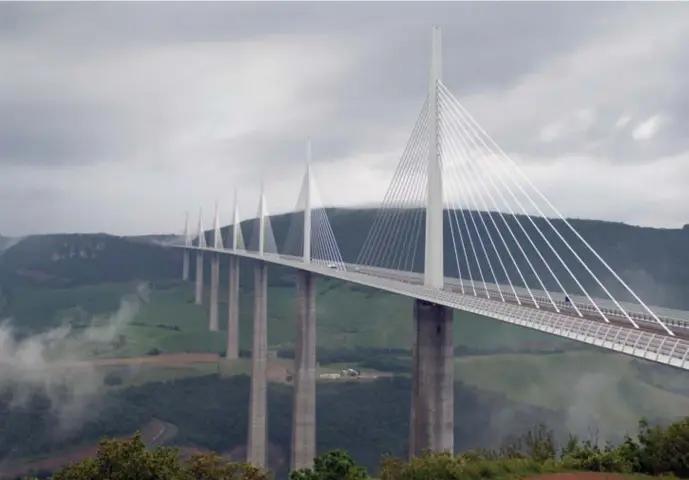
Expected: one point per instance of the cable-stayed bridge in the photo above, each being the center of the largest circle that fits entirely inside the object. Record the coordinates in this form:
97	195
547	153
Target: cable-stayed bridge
461	227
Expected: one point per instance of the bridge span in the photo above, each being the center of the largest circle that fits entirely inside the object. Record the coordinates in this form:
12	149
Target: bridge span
493	236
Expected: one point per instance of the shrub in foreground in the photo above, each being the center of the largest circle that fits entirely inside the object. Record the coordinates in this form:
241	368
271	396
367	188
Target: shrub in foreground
131	460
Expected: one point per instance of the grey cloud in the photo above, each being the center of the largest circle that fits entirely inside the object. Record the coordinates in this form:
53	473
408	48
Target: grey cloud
615	143
50	132
488	49
400	50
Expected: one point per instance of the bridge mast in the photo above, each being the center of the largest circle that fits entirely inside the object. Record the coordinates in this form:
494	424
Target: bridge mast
187	244
307	205
432	404
235	223
433	268
262	222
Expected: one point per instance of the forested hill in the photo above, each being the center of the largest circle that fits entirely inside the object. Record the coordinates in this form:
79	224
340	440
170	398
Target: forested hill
653	261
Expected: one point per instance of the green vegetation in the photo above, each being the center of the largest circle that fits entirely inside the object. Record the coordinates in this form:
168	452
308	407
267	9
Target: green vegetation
125	460
649	259
657	451
371	331
170	322
508	381
368	419
46	280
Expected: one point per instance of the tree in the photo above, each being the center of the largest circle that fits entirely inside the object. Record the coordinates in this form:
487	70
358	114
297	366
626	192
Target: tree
335	465
125	459
129	459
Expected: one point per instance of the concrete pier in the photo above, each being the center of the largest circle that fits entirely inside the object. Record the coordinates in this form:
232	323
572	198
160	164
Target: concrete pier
215	284
198	298
258	425
185	265
233	309
432	406
304	401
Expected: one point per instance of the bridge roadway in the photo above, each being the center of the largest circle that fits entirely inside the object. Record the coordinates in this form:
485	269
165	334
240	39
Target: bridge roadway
677	320
649	342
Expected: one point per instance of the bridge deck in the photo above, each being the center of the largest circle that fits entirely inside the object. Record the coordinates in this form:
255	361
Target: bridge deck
650	341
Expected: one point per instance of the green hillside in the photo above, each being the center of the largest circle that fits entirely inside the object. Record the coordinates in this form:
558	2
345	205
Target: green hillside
650	260
48	279
348	317
51	280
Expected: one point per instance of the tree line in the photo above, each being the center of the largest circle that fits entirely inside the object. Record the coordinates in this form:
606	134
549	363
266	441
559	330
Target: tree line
656	451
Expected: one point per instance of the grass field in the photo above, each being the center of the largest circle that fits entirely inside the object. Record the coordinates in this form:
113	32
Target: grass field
171	323
347	317
587	386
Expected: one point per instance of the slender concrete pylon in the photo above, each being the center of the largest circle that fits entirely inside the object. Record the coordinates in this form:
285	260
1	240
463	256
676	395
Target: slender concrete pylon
198	298
432	405
258	425
187	244
232	350
432	416
215	273
304	400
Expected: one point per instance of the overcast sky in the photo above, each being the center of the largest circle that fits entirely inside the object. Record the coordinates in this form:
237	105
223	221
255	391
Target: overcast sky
118	117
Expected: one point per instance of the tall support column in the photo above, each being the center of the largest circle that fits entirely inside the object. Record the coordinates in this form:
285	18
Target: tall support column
433	267
185	265
198	297
304	400
232	350
215	284
199	261
258	425
432	406
215	272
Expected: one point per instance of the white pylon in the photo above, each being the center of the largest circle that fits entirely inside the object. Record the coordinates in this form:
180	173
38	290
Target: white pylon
307	205
261	222
236	232
217	237
187	236
202	236
433	261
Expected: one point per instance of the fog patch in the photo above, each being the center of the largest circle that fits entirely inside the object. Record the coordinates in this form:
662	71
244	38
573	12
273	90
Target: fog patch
49	362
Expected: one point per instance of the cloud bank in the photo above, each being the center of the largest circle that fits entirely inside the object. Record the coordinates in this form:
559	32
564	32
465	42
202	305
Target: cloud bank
119	117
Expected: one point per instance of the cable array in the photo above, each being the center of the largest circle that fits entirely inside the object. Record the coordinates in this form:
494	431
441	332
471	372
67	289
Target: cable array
393	241
217	231
323	244
269	243
201	235
236	224
500	250
230	235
